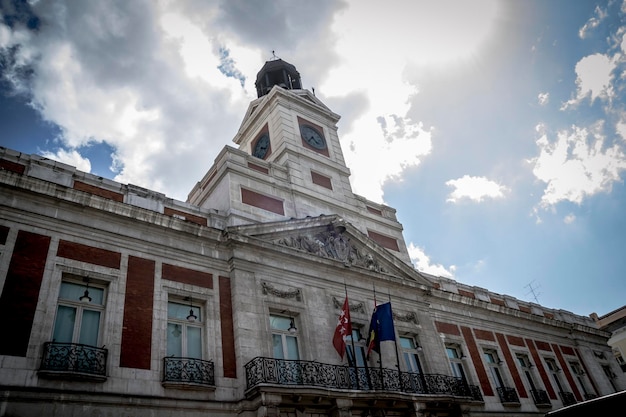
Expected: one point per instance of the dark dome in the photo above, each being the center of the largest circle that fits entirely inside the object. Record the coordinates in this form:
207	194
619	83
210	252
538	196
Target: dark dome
277	72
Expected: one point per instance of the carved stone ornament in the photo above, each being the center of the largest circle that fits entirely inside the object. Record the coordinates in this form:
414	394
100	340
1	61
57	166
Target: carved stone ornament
332	244
408	317
354	308
268	289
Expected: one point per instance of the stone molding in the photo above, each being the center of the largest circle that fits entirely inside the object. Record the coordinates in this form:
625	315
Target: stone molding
294	293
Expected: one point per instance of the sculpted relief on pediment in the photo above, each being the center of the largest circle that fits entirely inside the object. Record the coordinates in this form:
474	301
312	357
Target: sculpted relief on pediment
332	244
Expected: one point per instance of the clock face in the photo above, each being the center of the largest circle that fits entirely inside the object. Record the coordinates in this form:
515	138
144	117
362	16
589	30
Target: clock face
312	137
261	146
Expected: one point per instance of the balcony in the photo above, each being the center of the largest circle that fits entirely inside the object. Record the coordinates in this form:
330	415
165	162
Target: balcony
74	361
508	396
188	373
341	377
540	397
567	398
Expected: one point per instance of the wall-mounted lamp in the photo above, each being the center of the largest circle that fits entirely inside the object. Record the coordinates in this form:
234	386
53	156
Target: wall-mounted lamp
191	317
85	298
292	326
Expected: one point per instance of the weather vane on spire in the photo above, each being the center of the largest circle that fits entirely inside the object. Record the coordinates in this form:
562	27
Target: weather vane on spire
274	57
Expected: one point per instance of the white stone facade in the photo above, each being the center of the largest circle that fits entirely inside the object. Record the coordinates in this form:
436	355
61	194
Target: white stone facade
244	266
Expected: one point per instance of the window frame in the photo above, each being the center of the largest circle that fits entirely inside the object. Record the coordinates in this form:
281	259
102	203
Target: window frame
413	352
198	310
80	307
492	361
284	334
456	361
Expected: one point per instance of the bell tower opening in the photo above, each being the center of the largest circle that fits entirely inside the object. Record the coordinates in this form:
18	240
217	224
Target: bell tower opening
277	72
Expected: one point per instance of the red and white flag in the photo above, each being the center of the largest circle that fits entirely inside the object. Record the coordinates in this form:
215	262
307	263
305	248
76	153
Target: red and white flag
343	329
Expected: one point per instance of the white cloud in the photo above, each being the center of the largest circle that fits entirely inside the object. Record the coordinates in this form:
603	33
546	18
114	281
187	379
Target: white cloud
71	157
594	75
475	189
576	165
620	126
422	263
570	218
593	22
543	98
381	135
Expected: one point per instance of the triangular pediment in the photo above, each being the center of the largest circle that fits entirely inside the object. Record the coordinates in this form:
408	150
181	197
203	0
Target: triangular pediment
330	238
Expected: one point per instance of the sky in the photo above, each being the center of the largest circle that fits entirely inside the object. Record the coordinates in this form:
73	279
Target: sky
497	128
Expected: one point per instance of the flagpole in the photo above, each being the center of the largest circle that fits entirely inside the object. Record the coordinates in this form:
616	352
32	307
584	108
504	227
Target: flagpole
395	341
356	369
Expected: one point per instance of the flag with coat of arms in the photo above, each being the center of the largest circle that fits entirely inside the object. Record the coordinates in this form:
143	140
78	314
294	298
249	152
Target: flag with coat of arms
343	329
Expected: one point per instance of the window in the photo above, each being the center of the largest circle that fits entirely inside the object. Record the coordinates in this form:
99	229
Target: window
356	343
284	337
526	366
610	375
184	337
79	314
455	356
554	372
493	364
581	378
410	351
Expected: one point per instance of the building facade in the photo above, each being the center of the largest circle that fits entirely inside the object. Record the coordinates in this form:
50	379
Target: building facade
117	300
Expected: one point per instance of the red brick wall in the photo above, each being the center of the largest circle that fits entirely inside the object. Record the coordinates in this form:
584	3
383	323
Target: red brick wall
374	211
515	340
262	201
566	372
228	336
532	348
92	189
188	217
384	241
12	166
512	365
447	328
187	276
484	335
466	293
321	180
258	167
89	254
497	301
543	346
138	306
476	356
18	301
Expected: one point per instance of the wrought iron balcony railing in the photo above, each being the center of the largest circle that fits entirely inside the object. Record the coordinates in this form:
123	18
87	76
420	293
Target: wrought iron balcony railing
507	395
540	397
73	359
309	373
188	371
567	398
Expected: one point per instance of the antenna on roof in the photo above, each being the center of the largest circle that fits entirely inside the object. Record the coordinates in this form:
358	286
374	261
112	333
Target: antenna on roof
532	290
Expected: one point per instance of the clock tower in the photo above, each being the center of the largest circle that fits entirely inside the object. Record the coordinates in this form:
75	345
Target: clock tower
289	165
